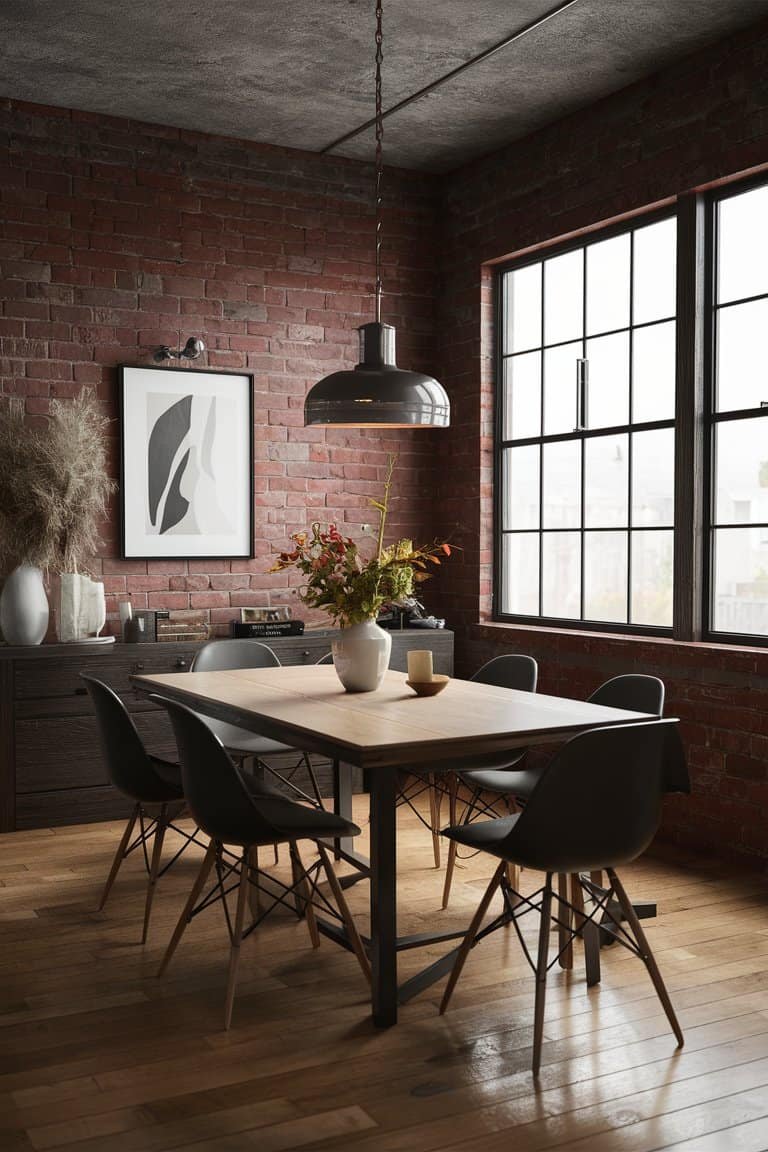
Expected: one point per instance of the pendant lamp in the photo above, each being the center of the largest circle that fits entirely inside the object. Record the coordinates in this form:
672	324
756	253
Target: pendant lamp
376	393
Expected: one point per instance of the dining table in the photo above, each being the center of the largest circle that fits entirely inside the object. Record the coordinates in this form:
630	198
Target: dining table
384	732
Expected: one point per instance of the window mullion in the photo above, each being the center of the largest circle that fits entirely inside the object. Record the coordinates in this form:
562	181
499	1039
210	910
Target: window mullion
688	578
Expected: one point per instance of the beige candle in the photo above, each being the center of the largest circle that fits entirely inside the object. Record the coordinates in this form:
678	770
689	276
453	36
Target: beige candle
419	666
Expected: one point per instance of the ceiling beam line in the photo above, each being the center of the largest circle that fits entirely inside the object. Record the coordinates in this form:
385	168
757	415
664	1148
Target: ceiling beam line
484	55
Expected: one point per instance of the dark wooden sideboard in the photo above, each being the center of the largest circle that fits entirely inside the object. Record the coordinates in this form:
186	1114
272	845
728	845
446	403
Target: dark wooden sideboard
51	768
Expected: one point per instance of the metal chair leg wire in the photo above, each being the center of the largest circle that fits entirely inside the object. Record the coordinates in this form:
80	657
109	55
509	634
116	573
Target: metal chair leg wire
571	921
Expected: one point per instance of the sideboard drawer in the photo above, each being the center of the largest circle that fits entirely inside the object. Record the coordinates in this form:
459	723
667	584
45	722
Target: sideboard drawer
61	680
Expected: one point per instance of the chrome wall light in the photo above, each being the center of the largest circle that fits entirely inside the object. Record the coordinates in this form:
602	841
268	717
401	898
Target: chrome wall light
193	348
376	393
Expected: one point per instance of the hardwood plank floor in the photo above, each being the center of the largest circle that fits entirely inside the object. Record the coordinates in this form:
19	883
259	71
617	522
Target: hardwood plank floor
99	1055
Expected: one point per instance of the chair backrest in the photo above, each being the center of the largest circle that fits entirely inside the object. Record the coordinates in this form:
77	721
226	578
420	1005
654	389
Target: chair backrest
598	802
217	798
634	692
225	655
327	659
513	671
129	766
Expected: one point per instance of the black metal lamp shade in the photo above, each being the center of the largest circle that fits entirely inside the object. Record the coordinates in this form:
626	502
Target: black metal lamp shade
376	393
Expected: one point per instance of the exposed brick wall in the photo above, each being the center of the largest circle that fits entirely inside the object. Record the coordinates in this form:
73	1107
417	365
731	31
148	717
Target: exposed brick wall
116	237
702	121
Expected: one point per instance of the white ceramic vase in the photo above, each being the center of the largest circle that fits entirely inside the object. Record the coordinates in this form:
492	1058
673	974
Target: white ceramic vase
361	656
24	606
82	607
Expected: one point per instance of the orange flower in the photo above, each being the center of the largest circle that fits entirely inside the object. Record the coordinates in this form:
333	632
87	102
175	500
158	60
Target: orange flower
446	548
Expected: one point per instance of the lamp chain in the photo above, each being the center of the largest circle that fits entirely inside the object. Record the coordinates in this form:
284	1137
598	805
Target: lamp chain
379	157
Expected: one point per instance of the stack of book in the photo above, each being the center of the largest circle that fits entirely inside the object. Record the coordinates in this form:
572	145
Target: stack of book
182	624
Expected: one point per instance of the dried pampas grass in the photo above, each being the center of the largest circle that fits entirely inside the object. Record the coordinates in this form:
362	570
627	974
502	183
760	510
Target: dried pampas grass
53	484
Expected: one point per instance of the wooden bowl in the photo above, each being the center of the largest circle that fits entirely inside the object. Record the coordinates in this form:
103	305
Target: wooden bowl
429	687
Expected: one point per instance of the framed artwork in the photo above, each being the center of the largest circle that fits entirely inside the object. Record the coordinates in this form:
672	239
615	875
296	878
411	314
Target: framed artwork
186	464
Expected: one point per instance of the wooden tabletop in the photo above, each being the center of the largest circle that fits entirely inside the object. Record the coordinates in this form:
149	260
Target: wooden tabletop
309	709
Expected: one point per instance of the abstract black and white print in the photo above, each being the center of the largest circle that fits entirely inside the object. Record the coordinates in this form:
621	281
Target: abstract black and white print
182	495
186	463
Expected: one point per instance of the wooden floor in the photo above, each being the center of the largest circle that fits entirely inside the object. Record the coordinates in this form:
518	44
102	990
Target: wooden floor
99	1055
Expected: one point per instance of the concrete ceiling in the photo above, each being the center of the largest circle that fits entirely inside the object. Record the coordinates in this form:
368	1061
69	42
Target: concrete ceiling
299	72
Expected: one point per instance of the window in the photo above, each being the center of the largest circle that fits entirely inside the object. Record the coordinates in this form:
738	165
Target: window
738	433
585	442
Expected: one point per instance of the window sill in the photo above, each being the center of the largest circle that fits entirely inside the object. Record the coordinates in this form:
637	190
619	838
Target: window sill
698	650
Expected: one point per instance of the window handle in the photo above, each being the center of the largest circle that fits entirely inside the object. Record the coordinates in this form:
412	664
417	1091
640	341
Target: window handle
582	395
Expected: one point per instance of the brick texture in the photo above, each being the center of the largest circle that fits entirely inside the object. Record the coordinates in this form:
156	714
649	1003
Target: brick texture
116	237
696	124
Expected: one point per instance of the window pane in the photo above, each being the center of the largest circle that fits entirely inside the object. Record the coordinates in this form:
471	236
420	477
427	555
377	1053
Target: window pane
520	575
564	297
608	285
608	388
522	396
652	579
743	245
521	487
523	306
654	263
653	373
561	499
741	580
606	482
741	472
560	388
742	355
605	576
653	478
561	575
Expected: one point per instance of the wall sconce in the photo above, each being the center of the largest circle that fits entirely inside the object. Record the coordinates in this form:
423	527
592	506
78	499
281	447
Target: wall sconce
191	350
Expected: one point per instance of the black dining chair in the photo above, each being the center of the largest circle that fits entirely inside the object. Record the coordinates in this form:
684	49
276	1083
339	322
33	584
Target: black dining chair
147	780
501	773
226	656
248	817
596	806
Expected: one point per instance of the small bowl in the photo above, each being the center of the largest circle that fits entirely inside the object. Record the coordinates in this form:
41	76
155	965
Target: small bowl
429	687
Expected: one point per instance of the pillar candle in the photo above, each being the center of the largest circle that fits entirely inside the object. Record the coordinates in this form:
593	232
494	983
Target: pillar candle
419	666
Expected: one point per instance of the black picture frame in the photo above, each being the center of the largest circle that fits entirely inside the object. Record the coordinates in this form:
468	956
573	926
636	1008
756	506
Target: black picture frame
134	465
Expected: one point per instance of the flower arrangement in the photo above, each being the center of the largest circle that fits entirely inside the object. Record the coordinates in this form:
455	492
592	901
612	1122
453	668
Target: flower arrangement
341	581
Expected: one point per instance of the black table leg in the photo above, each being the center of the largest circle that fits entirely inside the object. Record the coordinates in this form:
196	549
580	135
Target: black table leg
383	898
342	803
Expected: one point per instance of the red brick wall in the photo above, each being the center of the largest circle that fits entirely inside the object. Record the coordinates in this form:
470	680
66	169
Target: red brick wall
116	237
702	121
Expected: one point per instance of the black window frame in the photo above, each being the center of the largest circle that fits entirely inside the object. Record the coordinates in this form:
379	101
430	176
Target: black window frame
712	418
546	252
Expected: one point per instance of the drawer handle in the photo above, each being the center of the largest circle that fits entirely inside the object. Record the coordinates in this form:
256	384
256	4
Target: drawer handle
181	663
305	654
138	666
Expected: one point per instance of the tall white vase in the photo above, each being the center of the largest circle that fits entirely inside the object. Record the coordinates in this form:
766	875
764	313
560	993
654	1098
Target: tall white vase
24	606
361	656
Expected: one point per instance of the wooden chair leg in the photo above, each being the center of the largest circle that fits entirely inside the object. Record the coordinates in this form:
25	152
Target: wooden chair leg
541	973
122	847
433	818
346	915
469	939
453	787
157	850
513	879
565	941
192	899
237	938
304	894
647	956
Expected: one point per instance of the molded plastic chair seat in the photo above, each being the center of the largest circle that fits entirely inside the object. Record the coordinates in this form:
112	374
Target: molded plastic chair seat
502	773
143	778
249	814
227	656
596	806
